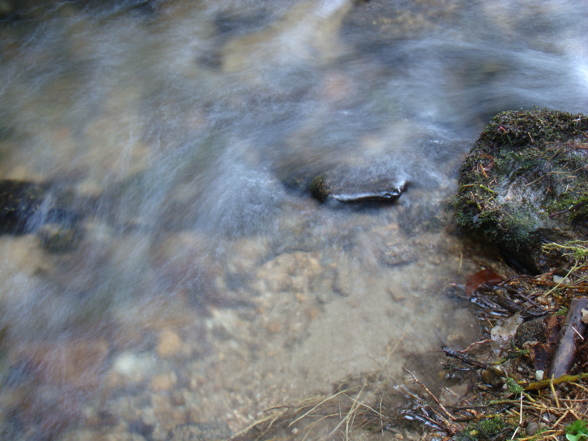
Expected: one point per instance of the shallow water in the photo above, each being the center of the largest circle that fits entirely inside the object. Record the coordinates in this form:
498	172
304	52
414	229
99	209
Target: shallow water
202	286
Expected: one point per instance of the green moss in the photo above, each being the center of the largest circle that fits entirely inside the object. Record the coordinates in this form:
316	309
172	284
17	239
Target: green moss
519	128
318	188
513	386
487	429
577	431
577	249
526	175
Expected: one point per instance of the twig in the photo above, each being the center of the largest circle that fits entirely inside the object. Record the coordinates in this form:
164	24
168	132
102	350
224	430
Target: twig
553	392
564	357
474	344
520	419
464	358
560	283
544	384
431	395
577	332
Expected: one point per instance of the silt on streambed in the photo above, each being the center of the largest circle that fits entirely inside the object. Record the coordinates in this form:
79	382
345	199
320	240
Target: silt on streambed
205	283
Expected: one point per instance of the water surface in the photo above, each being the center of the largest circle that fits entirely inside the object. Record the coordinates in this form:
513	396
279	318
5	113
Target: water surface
202	285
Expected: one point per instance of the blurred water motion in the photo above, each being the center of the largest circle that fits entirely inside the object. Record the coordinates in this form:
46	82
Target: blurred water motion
205	283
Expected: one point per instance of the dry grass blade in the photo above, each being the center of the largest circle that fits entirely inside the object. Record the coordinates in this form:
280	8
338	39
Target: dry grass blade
317	406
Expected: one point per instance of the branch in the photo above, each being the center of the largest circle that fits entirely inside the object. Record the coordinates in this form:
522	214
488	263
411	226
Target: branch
564	357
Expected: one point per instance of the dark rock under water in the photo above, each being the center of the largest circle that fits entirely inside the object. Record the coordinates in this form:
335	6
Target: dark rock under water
34	207
25	206
341	185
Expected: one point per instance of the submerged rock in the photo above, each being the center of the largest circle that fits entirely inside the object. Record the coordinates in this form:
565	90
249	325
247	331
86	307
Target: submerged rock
525	185
350	185
31	207
341	187
20	201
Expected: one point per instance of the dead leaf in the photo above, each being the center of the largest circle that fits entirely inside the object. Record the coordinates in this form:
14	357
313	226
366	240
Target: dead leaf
485	278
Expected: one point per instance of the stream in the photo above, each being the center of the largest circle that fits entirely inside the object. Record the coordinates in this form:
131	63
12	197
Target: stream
200	282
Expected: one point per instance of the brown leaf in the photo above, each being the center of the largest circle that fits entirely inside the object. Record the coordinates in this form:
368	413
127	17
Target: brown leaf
485	278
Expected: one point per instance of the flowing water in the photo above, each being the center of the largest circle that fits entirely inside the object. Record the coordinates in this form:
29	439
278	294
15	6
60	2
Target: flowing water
199	283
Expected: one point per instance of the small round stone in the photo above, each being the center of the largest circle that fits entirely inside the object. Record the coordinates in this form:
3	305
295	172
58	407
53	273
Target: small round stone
169	344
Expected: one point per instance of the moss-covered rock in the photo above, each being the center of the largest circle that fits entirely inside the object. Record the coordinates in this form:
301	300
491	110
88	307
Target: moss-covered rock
525	184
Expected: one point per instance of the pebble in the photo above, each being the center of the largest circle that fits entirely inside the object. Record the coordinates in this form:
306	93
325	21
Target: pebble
166	415
532	428
398	295
289	272
169	344
163	382
130	368
274	327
